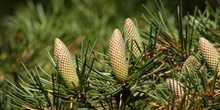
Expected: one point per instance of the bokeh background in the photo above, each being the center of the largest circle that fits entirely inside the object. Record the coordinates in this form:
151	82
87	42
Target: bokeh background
9	6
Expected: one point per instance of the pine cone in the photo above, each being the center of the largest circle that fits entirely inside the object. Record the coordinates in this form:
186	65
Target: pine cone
133	38
191	63
117	56
65	64
175	86
209	54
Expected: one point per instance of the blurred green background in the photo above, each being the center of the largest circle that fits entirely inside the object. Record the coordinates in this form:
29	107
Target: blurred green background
9	6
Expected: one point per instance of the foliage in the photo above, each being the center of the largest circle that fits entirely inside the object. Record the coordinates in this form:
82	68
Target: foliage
171	70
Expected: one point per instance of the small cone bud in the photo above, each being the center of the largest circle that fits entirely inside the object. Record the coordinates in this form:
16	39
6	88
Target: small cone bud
209	54
117	56
66	65
133	37
192	64
175	86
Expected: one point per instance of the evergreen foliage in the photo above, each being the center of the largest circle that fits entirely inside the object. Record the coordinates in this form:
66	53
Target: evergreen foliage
170	62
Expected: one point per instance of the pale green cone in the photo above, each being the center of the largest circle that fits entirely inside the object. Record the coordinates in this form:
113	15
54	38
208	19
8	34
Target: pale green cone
66	65
175	86
209	54
192	64
133	37
117	56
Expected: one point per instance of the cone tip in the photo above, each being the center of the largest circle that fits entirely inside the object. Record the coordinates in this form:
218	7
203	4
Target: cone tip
57	40
128	20
116	32
202	40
